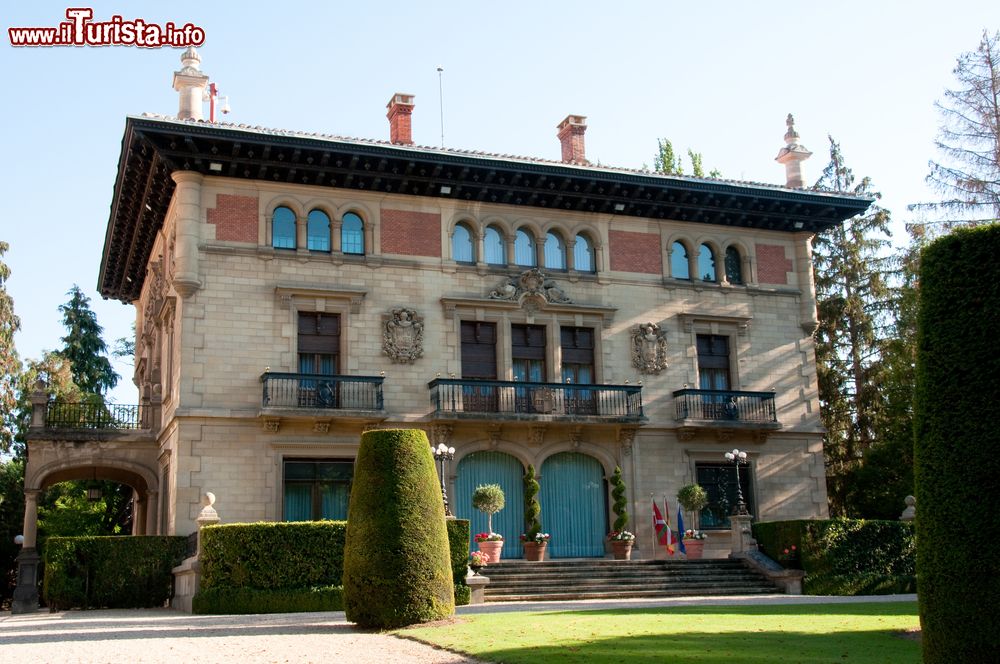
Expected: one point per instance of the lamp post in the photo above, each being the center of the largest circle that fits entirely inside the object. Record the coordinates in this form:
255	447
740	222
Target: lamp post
443	453
738	457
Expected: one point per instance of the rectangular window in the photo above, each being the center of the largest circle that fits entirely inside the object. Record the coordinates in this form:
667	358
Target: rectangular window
527	351
319	353
713	362
479	362
317	490
578	368
719	481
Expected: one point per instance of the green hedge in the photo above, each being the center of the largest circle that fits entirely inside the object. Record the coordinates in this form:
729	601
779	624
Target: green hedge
110	572
283	600
397	567
271	556
957	444
844	556
458	541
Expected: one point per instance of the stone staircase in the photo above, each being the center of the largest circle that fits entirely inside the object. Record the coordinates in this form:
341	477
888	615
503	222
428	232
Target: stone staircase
591	578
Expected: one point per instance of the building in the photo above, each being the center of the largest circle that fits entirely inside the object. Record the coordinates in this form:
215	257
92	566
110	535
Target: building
292	290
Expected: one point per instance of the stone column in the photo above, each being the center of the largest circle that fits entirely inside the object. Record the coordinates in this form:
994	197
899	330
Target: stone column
540	252
187	196
571	255
139	513
39	404
742	540
26	592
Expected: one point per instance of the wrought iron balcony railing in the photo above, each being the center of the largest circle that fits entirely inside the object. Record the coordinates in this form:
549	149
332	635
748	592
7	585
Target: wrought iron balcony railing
59	415
500	397
318	391
721	406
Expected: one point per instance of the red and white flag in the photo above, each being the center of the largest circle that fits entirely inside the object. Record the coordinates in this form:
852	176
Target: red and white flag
663	534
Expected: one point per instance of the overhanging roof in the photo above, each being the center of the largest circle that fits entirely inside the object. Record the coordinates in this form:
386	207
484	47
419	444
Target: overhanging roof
155	147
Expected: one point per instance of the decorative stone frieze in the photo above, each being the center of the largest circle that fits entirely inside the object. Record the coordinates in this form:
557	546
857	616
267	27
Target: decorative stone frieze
529	285
403	336
649	348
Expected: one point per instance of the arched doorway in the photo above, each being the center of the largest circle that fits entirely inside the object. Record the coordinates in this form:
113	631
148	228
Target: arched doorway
574	505
493	468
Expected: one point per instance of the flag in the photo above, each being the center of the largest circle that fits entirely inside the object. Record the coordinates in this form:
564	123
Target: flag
669	532
662	529
680	530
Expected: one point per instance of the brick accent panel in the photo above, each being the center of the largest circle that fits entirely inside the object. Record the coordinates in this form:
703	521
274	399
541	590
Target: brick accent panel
411	233
772	266
635	252
235	218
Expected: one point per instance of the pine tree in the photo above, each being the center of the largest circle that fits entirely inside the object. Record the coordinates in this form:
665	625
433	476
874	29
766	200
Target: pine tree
854	301
968	173
84	347
10	366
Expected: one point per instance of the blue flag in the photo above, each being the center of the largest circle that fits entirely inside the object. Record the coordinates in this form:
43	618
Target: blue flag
680	529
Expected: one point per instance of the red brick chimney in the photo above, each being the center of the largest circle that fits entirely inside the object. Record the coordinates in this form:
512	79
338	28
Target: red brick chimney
400	108
571	132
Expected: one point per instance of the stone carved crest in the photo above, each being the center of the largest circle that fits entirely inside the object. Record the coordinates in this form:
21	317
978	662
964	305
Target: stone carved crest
531	283
649	348
403	336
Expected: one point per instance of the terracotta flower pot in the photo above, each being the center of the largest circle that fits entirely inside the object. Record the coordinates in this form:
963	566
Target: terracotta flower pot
622	549
534	551
695	548
492	549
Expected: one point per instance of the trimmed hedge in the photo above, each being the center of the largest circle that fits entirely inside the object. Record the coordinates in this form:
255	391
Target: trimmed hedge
110	572
272	556
956	403
844	556
397	568
458	542
282	600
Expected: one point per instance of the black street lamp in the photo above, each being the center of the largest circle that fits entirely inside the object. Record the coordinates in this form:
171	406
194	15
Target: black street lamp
443	453
738	457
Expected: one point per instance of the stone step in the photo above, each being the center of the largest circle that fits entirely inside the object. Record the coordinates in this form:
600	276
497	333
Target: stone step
598	587
571	594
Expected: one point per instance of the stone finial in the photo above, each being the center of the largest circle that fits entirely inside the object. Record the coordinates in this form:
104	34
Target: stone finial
792	155
208	515
910	513
190	83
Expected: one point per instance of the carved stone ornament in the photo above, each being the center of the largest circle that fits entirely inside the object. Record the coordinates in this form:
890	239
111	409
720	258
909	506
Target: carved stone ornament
403	336
649	348
530	283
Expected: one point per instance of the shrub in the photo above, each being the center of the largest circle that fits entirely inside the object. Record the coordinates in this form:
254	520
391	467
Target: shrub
110	572
488	499
272	556
693	498
397	568
281	600
620	506
844	556
532	508
957	444
458	542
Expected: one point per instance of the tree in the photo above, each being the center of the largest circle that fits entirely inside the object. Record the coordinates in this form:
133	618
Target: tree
854	300
488	499
968	173
668	162
10	366
84	347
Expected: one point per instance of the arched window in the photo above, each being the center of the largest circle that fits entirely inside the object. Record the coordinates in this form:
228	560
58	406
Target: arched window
734	266
555	252
352	235
524	249
583	255
706	263
283	228
461	245
495	252
318	232
679	267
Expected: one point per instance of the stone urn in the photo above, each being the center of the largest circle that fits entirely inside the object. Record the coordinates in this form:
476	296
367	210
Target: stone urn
535	551
492	548
622	549
695	548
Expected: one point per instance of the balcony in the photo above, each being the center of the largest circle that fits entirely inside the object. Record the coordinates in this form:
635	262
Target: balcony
96	416
726	410
535	402
320	397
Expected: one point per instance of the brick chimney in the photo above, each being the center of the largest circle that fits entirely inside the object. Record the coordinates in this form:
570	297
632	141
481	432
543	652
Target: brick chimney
400	108
571	132
792	155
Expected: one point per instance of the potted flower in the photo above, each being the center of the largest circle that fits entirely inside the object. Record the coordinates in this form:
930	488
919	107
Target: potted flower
478	560
535	542
621	539
694	543
489	499
621	544
694	498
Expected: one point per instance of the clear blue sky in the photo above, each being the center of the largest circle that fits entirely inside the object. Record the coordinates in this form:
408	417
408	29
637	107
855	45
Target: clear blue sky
718	77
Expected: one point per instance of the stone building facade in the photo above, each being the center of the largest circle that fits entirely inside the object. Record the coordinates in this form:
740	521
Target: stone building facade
293	290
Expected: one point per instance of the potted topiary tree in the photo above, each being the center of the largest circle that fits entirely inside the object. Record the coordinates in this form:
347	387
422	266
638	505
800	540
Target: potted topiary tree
621	539
535	541
489	499
693	498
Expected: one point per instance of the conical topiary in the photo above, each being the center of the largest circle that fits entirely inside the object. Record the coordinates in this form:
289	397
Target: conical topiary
620	505
397	567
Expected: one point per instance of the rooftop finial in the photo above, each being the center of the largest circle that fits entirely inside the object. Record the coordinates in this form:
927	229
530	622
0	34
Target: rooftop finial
190	83
792	155
791	136
190	58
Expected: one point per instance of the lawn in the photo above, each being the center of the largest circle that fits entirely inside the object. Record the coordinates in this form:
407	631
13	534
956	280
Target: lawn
786	634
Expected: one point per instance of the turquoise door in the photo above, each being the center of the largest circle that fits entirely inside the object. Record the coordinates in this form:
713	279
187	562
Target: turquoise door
492	468
574	505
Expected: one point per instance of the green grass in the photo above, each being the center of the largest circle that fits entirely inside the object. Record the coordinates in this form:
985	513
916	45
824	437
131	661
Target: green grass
853	633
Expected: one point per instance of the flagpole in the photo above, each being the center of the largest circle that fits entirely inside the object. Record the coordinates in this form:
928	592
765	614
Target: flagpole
652	499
